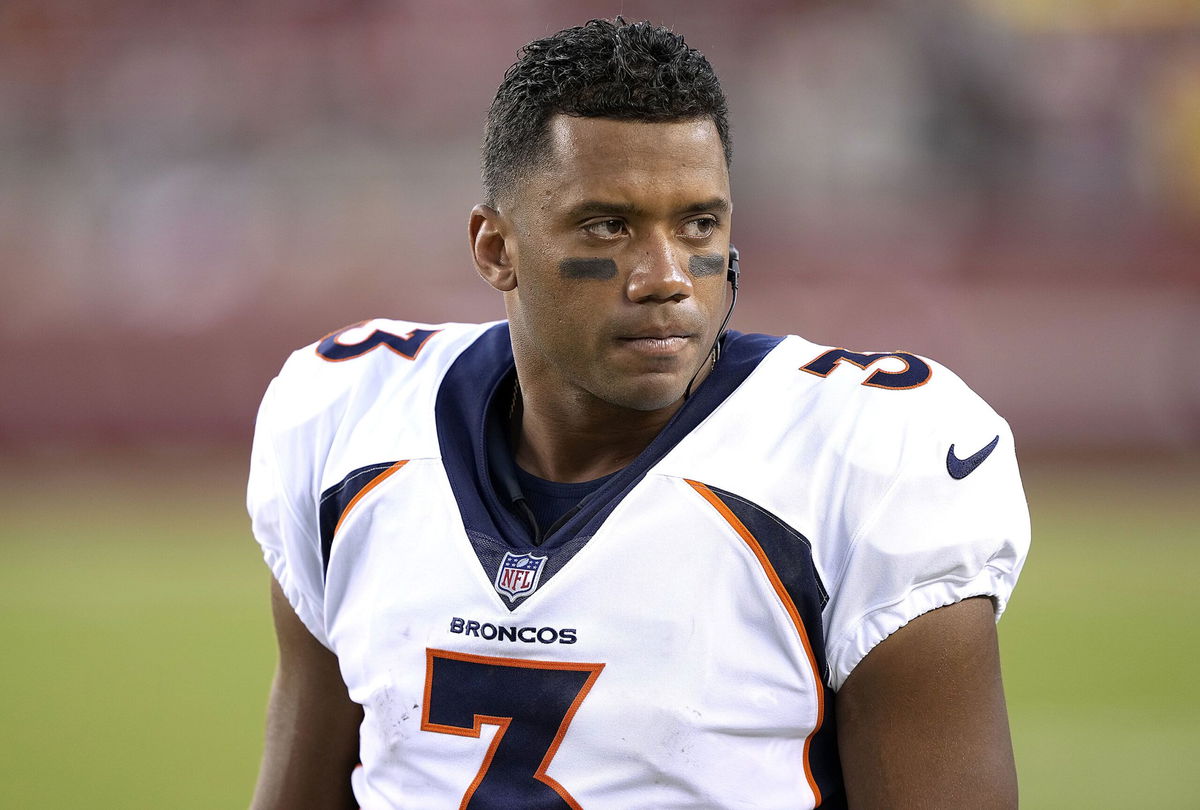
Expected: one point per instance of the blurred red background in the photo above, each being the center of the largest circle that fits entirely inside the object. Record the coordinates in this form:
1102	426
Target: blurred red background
190	190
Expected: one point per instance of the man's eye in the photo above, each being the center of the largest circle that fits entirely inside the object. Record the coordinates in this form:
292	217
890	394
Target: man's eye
605	228
699	228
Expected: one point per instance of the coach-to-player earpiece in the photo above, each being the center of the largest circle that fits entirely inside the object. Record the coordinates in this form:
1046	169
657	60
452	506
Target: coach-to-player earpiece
733	275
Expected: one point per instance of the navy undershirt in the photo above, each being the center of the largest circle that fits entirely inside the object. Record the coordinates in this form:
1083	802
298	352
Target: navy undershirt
538	503
550	500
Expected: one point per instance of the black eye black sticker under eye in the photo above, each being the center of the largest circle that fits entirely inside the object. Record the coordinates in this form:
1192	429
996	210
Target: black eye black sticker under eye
599	269
706	265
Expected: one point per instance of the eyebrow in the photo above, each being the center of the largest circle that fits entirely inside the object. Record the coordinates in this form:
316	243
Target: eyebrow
717	205
594	208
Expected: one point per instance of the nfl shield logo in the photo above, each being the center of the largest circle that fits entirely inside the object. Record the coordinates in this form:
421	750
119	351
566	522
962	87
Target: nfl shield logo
519	574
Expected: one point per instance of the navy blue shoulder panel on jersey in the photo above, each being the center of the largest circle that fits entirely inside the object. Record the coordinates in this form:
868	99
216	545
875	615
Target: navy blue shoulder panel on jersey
790	555
462	413
337	499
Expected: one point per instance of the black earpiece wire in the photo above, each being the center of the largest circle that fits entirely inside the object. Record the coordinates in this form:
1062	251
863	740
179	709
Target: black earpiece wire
733	276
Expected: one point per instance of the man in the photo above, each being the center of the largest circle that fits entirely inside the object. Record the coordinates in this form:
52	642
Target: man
604	555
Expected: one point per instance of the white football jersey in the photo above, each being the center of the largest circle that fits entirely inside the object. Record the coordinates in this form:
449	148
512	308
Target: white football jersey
679	641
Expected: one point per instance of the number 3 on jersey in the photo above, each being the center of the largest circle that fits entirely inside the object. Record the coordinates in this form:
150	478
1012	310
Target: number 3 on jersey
916	372
335	349
532	702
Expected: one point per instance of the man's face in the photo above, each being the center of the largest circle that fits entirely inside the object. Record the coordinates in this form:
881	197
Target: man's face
619	248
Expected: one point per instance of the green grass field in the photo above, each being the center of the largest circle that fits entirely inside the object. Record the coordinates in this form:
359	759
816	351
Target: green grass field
138	645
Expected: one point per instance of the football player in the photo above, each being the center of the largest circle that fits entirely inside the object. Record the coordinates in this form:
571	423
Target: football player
605	554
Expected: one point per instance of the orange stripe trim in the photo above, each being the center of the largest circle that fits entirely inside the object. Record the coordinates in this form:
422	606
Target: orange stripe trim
788	604
376	481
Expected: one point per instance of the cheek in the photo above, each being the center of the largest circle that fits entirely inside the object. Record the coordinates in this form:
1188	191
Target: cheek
569	296
713	293
555	315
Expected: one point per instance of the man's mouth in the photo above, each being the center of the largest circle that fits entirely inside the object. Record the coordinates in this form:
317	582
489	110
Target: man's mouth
657	342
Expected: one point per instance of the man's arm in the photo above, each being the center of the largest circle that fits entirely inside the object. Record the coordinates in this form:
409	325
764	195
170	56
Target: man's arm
922	721
312	724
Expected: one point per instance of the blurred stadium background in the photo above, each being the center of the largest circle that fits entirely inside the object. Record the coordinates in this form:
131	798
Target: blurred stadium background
189	190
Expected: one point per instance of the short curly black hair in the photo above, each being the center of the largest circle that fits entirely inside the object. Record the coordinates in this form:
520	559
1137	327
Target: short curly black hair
602	69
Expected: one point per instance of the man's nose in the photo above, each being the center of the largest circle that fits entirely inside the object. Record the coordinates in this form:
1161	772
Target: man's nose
660	273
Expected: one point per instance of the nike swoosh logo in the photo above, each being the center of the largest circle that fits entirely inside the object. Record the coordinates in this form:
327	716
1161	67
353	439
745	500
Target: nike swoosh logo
962	467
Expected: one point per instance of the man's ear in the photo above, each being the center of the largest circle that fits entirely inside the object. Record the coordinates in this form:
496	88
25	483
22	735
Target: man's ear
490	234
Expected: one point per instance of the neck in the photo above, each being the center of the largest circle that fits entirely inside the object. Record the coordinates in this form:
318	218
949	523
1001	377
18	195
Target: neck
577	441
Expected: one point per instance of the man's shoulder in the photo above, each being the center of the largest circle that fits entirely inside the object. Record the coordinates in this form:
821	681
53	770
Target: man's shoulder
830	442
370	358
377	378
824	412
888	411
809	384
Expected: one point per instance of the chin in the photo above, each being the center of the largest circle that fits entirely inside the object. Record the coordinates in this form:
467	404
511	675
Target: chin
653	395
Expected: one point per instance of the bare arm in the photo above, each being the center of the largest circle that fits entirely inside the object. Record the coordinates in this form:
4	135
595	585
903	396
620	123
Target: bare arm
922	721
312	725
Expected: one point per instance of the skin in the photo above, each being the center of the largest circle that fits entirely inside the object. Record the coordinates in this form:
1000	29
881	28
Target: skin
921	721
312	724
653	199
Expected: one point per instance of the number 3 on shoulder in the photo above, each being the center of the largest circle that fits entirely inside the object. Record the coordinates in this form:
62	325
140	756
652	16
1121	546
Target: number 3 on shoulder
916	372
340	345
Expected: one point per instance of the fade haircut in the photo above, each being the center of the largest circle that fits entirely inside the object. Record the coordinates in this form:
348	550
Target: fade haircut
626	71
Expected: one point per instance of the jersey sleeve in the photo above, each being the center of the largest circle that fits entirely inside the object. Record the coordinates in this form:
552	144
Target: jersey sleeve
282	514
929	538
330	410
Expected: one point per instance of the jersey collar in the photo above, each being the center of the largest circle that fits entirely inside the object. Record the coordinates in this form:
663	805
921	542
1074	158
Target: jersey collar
468	434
